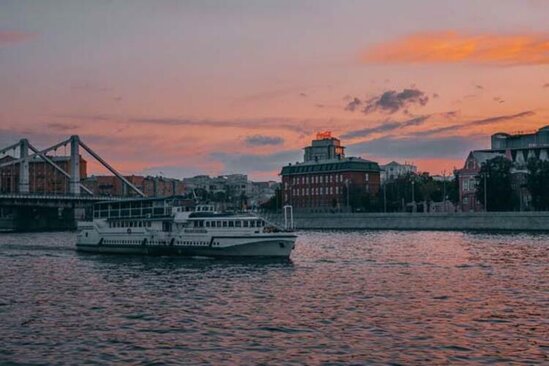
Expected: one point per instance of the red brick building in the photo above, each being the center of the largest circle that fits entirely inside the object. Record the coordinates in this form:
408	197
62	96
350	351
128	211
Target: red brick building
468	180
43	178
328	180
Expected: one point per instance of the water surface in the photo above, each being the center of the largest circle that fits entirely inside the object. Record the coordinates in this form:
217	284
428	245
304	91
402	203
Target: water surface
344	298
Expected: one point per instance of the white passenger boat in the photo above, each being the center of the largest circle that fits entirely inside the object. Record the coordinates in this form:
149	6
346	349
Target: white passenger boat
167	226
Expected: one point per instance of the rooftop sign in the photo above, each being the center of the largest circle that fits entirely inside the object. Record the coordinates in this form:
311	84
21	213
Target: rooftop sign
324	135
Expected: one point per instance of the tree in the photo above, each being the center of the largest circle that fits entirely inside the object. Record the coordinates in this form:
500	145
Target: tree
499	192
425	188
275	202
452	189
243	200
538	183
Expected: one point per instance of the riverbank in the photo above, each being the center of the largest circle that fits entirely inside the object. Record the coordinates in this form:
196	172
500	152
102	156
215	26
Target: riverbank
501	221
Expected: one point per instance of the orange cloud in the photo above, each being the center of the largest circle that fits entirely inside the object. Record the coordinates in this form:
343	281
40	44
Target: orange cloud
453	47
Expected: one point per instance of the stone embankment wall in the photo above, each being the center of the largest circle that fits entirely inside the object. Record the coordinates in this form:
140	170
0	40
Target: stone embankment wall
6	224
518	221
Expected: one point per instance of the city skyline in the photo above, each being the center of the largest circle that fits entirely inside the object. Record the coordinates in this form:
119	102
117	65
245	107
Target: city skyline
210	88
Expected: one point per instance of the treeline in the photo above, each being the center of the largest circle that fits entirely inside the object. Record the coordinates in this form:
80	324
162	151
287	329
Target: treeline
507	189
397	195
511	189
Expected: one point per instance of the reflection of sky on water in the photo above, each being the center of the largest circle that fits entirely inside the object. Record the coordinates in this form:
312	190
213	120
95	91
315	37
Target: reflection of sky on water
404	297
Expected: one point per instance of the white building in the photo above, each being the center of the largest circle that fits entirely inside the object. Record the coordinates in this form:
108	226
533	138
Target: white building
234	186
394	170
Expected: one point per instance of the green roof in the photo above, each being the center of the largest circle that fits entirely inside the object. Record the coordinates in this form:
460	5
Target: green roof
354	165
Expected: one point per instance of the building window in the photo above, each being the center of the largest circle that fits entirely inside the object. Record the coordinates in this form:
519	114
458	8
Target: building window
366	177
472	184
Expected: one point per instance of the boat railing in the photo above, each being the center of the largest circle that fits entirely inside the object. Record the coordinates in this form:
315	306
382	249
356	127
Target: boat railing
284	223
201	231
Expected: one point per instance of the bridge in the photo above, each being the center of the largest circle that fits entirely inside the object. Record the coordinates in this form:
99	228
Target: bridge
28	194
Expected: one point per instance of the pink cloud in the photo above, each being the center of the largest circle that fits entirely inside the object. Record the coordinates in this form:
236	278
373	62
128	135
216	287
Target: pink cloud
12	37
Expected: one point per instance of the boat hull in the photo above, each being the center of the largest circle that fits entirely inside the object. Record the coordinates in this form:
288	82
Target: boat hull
266	247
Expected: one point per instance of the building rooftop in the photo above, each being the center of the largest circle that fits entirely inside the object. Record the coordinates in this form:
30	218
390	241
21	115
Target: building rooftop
483	156
332	165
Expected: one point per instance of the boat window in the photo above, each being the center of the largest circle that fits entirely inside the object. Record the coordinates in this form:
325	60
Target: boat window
245	223
140	224
224	223
231	223
219	224
252	223
207	224
259	223
238	223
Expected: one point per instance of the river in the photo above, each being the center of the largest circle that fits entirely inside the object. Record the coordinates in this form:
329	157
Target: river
349	297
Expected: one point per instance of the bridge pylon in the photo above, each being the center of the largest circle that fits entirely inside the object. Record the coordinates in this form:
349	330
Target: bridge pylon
73	175
24	186
74	184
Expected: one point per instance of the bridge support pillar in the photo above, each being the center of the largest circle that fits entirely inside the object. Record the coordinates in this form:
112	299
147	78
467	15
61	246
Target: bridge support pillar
24	166
74	185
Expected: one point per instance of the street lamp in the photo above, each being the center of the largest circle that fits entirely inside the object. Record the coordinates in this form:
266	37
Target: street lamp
347	189
413	191
384	197
485	175
444	188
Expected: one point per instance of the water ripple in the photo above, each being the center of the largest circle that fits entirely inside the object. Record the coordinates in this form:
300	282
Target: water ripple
345	298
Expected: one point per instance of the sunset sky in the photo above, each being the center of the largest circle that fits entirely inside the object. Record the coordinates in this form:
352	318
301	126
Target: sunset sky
215	87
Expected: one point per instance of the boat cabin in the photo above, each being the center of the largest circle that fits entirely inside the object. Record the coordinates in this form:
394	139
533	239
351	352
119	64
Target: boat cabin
141	208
